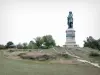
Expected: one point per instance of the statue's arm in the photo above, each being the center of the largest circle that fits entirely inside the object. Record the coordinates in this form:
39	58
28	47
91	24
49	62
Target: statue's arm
67	20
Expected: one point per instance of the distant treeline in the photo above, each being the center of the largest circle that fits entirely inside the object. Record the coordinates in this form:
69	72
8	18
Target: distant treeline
46	42
43	42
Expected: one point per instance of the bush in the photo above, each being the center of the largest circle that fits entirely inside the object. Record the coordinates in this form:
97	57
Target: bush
94	54
44	47
11	51
92	43
30	50
63	55
43	57
2	46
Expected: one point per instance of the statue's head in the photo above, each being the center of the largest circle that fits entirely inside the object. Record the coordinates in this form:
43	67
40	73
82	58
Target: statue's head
70	12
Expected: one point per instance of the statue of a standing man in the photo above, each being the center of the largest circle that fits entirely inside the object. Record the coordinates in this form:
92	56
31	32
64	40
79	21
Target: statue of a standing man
70	20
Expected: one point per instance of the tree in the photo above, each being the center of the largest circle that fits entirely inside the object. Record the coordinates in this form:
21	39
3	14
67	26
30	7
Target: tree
92	43
48	41
2	46
9	44
38	42
44	42
31	45
20	46
25	45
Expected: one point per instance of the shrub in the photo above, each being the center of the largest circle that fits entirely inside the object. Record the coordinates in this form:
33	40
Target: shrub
63	55
2	46
30	50
11	51
43	57
92	43
94	54
44	47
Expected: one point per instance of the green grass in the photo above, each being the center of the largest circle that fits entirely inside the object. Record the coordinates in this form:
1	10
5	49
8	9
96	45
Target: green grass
84	54
27	67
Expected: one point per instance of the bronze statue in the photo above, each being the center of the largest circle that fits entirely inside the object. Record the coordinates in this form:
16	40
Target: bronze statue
70	20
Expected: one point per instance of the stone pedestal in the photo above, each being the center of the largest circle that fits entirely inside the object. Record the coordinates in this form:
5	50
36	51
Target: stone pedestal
70	38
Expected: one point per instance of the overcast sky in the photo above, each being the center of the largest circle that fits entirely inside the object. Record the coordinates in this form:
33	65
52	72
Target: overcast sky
23	20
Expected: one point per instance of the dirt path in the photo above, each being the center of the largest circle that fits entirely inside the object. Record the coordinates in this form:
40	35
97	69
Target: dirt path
80	59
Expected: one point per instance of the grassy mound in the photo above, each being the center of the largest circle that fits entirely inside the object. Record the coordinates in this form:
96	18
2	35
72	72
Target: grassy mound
36	56
42	56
